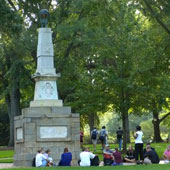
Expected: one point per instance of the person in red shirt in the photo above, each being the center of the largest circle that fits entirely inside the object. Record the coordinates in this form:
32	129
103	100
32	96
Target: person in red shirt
81	138
107	155
117	158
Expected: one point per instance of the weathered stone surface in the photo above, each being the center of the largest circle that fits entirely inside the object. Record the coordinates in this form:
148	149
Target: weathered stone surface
46	103
36	110
61	110
31	122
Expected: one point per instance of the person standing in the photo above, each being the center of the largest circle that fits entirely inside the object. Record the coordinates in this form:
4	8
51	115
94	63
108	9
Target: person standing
138	144
103	136
94	134
119	133
81	138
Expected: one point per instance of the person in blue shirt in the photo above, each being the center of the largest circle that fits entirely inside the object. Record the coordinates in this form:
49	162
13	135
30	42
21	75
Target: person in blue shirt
66	158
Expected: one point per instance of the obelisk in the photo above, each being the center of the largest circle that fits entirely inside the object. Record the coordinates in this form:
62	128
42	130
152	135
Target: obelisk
46	123
45	77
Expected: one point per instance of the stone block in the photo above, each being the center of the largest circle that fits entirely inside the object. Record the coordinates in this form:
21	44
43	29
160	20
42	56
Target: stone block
29	128
36	110
46	103
75	115
18	123
30	138
27	150
18	117
61	110
25	120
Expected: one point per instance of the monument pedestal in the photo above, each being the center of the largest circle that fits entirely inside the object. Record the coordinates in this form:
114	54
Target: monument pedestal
51	128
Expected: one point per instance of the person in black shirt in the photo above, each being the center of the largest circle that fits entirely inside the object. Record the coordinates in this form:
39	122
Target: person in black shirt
150	156
130	155
119	133
147	144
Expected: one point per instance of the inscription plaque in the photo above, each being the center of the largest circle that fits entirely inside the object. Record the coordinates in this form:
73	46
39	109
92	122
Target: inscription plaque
19	133
53	132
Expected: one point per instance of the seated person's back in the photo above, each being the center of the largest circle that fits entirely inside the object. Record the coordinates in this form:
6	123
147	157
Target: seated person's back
108	155
66	158
117	156
40	160
85	157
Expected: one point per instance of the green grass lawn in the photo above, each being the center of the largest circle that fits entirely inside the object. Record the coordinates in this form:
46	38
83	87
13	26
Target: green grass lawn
134	167
6	156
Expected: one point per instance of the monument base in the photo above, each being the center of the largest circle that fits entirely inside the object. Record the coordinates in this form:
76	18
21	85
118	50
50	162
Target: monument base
46	103
51	128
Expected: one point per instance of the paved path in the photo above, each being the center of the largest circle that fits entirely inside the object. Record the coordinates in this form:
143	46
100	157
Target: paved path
6	165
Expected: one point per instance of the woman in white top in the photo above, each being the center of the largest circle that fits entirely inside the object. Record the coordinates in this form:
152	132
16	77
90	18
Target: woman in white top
40	159
138	144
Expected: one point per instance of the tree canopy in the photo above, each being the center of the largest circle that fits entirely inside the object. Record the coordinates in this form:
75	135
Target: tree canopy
112	55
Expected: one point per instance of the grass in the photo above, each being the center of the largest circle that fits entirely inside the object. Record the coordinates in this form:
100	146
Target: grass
134	167
6	156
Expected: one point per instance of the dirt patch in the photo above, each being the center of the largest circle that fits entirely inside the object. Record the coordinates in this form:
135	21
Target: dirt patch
6	148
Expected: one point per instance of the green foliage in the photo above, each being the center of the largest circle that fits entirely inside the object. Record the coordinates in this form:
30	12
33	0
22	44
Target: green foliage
109	53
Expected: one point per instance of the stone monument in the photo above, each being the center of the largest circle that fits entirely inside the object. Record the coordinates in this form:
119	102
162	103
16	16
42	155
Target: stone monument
46	123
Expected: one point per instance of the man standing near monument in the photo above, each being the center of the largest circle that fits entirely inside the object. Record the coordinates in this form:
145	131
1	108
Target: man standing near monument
119	133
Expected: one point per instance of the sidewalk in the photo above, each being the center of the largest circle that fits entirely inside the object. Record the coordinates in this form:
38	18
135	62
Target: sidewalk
6	165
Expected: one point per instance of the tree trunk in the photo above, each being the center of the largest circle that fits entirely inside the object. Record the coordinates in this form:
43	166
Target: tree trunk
91	124
125	124
14	111
156	122
127	127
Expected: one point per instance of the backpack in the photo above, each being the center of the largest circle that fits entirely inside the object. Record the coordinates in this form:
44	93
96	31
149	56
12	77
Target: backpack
95	161
33	162
119	133
94	134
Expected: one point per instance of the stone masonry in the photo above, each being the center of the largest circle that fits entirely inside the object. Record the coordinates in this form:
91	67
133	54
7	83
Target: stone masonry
28	138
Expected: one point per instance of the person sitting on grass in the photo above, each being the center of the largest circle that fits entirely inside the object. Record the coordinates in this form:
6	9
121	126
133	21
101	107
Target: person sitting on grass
48	157
66	158
130	155
40	160
150	157
117	158
147	144
108	155
87	158
167	155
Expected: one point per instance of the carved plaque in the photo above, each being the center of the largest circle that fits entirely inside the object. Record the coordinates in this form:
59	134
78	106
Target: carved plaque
49	132
19	134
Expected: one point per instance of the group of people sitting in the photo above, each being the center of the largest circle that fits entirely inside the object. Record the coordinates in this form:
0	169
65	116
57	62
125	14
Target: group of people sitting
110	157
113	157
43	159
